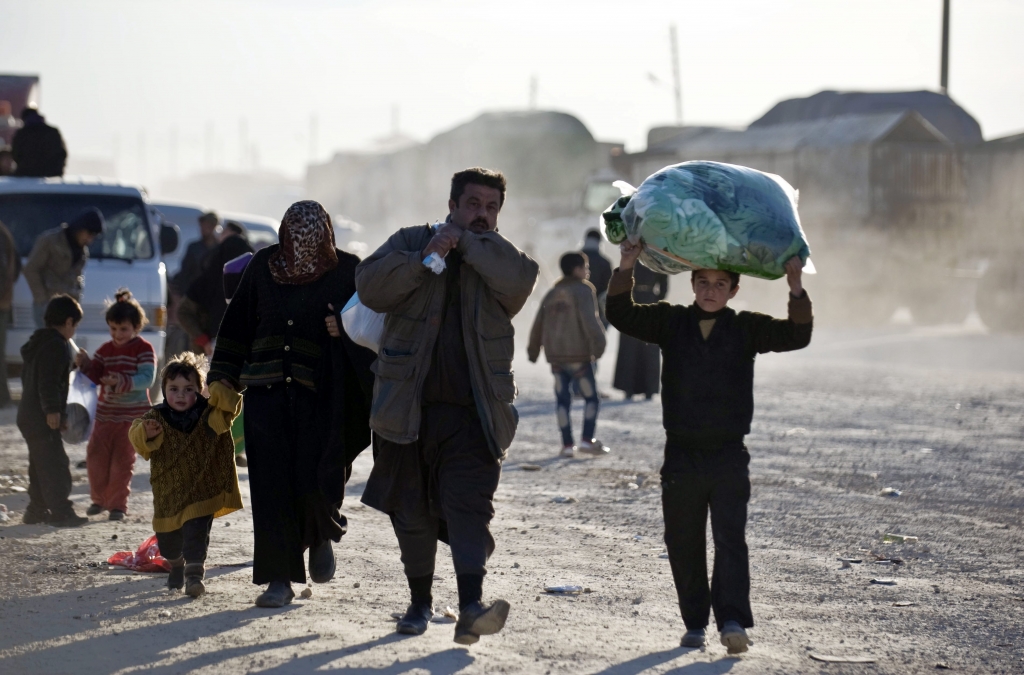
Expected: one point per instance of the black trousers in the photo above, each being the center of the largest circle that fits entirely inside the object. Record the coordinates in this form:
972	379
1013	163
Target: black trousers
440	487
714	480
191	540
285	441
49	474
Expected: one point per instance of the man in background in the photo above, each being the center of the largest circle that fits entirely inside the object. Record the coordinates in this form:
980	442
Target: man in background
10	268
38	148
204	303
178	339
600	270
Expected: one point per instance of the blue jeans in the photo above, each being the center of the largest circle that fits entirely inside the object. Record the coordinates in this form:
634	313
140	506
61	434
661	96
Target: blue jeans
569	376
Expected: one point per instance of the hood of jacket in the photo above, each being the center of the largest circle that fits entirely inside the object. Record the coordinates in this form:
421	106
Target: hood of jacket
42	339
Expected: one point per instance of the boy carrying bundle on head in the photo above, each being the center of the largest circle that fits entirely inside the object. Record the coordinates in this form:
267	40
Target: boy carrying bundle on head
707	407
192	468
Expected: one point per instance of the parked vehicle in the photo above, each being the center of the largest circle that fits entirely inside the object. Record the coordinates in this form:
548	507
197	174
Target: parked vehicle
127	254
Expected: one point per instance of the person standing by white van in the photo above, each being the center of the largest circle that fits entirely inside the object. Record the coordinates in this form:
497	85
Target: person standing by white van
58	258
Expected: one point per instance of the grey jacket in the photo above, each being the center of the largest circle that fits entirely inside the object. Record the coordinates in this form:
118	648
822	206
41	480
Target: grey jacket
568	325
496	280
49	269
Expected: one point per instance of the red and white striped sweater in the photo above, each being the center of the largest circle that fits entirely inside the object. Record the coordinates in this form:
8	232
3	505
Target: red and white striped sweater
134	364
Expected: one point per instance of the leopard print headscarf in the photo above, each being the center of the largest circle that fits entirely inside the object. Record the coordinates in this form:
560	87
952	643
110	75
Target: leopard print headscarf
307	245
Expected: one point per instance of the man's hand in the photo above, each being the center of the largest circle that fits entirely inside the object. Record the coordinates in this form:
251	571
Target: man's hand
53	420
794	272
444	240
109	380
332	322
81	358
628	254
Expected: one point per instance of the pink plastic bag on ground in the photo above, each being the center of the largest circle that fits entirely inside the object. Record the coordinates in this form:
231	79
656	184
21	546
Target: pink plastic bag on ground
146	559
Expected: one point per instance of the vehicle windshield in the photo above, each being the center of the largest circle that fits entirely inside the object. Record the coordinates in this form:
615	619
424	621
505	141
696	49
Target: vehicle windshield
126	236
600	196
260	238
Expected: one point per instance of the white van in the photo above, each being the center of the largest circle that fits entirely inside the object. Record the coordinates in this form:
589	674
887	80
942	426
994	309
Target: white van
127	254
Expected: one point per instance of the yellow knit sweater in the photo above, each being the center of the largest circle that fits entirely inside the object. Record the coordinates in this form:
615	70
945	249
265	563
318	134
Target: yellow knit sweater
192	474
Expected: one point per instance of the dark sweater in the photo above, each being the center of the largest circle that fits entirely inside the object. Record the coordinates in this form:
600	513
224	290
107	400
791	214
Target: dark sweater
45	376
274	333
707	382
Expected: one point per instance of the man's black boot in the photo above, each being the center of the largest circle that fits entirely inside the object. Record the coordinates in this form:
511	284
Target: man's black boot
421	609
416	619
321	562
477	619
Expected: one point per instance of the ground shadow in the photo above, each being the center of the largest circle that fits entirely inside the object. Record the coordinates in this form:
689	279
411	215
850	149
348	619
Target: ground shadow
642	663
706	668
447	662
136	645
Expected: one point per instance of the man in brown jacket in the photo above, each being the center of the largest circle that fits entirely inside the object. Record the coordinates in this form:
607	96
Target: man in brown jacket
58	258
442	411
569	327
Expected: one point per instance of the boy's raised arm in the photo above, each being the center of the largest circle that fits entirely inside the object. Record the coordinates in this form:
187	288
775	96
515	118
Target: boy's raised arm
784	335
644	322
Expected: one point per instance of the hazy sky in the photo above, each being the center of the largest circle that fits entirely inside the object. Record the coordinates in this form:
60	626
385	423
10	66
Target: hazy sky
120	74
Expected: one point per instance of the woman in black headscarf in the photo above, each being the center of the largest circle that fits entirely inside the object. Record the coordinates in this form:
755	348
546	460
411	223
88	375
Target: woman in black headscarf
638	366
306	397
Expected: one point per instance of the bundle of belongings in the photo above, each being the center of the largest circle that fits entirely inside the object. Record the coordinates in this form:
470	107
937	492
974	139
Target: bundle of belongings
709	215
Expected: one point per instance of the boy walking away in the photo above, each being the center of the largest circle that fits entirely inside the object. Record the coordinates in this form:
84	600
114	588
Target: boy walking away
569	329
45	375
126	368
707	407
187	441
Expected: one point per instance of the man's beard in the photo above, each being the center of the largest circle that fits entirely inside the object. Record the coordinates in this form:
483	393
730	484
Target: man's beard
480	224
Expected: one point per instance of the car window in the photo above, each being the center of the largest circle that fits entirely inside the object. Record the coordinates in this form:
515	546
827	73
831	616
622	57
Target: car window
126	236
260	238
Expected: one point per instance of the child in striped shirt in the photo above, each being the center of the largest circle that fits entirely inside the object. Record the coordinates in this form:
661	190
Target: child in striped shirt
126	368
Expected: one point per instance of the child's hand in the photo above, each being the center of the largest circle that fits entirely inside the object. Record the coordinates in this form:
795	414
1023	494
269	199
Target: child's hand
109	380
153	428
53	420
628	254
81	358
794	272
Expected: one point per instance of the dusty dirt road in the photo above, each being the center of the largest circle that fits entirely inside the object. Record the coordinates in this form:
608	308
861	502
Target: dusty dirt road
936	414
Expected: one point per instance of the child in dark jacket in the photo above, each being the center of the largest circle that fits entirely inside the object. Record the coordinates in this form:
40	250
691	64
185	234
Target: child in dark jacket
569	328
45	376
707	406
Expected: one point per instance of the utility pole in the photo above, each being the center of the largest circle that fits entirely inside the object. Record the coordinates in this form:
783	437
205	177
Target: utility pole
172	152
675	74
243	145
314	137
209	141
944	80
533	92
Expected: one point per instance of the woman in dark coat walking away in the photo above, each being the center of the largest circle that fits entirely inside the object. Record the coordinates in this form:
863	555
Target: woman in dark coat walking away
638	366
306	397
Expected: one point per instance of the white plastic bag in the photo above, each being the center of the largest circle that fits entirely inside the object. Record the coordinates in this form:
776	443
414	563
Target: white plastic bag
363	325
81	409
